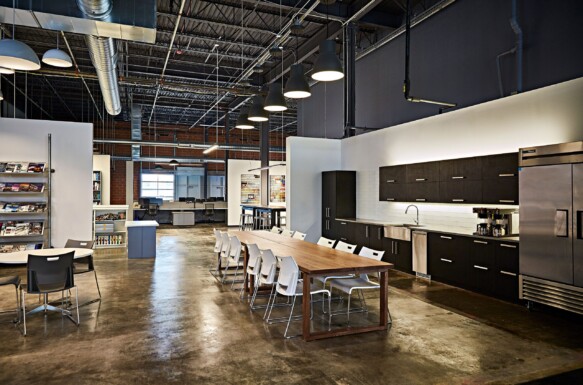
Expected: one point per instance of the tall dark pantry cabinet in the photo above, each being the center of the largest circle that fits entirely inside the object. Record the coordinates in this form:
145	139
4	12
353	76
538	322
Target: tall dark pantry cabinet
338	200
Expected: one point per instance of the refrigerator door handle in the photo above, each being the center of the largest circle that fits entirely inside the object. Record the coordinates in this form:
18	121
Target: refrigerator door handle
561	223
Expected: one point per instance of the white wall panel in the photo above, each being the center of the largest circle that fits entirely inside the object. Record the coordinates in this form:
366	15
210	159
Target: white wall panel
72	150
306	159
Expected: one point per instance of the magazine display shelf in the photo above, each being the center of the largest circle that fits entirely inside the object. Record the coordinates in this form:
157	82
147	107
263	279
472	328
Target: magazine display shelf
109	229
27	198
96	187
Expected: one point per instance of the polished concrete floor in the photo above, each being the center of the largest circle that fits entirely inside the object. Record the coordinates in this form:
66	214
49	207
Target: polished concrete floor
168	321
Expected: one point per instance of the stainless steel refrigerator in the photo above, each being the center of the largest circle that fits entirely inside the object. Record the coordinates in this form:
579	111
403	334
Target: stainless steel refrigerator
551	225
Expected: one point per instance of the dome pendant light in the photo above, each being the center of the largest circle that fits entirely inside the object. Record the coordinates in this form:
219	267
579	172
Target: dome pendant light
297	87
6	71
327	67
275	102
243	122
15	54
57	58
257	113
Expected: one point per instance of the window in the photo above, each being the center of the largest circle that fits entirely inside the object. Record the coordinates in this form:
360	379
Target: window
157	186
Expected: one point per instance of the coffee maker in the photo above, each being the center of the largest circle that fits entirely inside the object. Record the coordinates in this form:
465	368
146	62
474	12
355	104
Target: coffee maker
496	222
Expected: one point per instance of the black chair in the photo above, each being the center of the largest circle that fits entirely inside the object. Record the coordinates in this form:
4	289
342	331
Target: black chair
12	280
50	274
85	264
209	211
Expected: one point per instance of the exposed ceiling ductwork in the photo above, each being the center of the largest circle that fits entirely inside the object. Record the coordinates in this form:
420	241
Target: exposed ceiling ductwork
136	129
103	55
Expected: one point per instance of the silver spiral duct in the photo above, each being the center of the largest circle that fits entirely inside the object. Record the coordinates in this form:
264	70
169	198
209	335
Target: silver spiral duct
103	54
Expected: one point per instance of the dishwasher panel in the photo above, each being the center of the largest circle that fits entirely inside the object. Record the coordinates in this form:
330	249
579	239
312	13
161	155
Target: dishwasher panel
420	252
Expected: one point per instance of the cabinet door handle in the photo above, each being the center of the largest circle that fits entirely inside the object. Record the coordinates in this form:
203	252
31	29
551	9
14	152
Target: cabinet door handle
444	237
446	260
343	239
506	201
396	247
458	177
390	181
458	200
392	247
420	179
481	242
342	223
506	175
390	199
481	267
420	199
379	233
507	273
366	231
509	246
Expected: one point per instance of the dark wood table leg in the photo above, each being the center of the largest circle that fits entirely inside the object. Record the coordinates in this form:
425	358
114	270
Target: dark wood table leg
306	305
384	283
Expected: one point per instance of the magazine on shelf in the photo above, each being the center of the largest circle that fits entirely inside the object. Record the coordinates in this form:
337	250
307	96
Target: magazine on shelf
3	166
8	228
5	187
15	187
36	167
11	207
24	187
15	167
36	187
36	228
22	228
20	247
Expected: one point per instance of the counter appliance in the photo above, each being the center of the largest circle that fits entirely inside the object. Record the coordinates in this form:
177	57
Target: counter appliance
551	225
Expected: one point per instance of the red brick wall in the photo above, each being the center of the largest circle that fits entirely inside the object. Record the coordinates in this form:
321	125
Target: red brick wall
166	134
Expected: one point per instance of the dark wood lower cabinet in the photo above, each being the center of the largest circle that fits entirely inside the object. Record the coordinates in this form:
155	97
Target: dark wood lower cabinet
482	265
399	253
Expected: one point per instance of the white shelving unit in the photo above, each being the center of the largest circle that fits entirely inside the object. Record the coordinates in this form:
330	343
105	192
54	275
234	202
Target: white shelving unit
24	198
109	230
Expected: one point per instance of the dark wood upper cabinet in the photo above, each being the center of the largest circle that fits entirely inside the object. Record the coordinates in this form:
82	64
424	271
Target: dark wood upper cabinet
500	166
423	192
460	169
464	191
392	184
392	174
423	172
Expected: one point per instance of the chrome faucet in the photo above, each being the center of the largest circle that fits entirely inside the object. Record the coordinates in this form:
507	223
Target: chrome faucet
417	208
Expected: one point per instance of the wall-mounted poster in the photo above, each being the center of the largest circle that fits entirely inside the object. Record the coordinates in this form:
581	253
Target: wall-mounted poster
250	189
277	188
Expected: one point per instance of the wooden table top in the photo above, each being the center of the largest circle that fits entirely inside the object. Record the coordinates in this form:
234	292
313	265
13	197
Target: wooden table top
273	208
311	258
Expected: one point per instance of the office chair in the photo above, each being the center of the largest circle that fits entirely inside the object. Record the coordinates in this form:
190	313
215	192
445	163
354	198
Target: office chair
85	264
209	211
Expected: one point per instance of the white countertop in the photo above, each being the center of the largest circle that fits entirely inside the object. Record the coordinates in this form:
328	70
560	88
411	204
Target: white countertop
21	257
142	224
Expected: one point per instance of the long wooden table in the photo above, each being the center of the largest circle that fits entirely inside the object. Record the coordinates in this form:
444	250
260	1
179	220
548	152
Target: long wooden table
314	260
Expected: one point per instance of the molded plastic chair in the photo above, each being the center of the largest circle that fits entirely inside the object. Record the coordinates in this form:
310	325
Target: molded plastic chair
12	280
343	246
217	249
287	233
326	242
266	276
233	259
298	235
348	285
275	230
50	274
85	264
287	285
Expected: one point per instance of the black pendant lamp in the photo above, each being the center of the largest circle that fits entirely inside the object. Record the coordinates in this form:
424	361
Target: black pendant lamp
297	87
275	102
243	122
257	113
327	67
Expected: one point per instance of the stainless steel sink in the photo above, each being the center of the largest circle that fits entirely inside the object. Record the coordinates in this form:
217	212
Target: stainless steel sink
401	231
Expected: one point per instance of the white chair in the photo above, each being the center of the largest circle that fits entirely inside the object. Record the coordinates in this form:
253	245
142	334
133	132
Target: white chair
275	230
253	266
266	276
287	286
233	259
287	233
326	242
225	245
217	249
343	246
298	235
348	285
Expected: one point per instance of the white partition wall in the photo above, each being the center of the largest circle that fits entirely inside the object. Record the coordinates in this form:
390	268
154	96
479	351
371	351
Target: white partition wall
306	159
236	168
72	149
544	116
103	163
